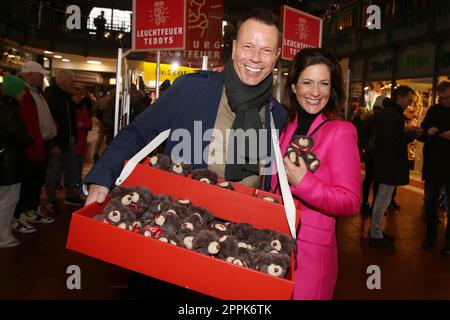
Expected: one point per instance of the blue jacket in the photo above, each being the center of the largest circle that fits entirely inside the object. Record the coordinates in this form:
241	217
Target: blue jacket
193	97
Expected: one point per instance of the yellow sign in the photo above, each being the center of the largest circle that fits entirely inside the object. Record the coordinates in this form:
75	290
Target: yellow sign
167	73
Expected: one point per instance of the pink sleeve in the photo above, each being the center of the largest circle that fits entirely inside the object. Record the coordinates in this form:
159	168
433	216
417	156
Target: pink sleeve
341	196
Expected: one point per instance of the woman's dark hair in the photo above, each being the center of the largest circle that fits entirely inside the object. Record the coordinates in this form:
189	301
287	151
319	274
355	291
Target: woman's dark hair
308	57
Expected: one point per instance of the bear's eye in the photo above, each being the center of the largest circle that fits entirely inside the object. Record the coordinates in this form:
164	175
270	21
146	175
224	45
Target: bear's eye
275	270
276	244
126	200
114	216
135	197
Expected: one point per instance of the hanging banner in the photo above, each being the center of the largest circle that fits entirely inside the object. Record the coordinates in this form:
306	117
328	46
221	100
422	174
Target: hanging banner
159	25
301	30
203	36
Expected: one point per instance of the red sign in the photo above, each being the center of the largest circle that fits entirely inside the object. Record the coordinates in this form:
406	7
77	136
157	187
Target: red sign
159	25
301	30
203	36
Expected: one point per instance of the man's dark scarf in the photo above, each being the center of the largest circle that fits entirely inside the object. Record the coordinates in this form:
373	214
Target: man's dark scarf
245	101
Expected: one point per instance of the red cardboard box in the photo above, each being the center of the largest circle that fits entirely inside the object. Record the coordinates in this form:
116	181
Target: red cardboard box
178	265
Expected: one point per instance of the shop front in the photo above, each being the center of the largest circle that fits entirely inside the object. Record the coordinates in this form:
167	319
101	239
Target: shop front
379	79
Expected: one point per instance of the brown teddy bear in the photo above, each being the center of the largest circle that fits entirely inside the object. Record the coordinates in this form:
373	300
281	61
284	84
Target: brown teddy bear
206	242
161	161
271	263
204	175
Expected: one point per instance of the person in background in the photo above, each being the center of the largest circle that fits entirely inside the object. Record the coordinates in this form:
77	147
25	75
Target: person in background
13	141
367	143
99	23
40	125
436	166
62	150
83	126
391	160
314	96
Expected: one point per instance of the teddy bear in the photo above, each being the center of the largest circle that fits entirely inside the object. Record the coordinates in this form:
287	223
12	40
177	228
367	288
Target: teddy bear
136	198
150	230
271	241
204	175
302	141
243	232
168	221
192	222
226	185
161	161
187	237
206	242
221	228
271	263
242	260
293	155
180	209
229	248
182	168
206	215
170	238
118	215
311	161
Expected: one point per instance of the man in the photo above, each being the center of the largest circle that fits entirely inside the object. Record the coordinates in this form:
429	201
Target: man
237	98
39	122
62	150
391	159
100	23
436	166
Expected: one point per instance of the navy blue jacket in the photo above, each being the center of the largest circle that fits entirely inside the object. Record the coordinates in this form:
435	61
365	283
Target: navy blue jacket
193	97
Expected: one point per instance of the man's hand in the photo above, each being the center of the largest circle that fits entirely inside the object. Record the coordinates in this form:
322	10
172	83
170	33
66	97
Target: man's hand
294	174
96	193
432	131
445	135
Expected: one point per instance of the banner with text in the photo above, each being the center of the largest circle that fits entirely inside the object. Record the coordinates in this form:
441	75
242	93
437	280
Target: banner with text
159	25
203	36
301	30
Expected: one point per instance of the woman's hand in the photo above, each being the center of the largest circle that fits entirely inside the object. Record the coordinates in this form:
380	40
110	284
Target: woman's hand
294	174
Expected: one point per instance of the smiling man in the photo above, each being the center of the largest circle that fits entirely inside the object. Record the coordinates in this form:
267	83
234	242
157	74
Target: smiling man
227	106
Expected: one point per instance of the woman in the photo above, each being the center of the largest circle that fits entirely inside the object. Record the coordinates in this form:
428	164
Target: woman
314	92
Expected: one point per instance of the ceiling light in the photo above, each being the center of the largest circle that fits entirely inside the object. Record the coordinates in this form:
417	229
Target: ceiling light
45	58
94	62
56	56
48	52
65	60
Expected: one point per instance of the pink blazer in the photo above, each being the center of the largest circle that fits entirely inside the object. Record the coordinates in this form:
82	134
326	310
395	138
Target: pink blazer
332	191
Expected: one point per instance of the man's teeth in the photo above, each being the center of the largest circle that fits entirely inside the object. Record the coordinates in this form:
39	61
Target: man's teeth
253	69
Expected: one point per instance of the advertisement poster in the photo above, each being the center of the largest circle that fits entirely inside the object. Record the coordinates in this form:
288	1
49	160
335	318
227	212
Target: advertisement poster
301	30
159	25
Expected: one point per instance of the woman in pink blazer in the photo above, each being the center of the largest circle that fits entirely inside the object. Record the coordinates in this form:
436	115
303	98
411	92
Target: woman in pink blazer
314	93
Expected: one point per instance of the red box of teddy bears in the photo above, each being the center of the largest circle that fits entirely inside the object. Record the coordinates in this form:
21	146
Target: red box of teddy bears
178	265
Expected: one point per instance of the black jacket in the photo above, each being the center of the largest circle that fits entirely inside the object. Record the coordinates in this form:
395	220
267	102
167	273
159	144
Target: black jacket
64	114
436	152
13	141
391	146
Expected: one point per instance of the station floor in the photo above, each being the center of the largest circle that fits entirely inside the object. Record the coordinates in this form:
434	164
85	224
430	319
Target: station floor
37	269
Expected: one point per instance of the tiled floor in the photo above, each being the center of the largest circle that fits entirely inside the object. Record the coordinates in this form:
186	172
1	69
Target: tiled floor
37	269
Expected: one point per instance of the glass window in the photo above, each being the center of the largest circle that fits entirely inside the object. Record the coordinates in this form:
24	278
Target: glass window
120	20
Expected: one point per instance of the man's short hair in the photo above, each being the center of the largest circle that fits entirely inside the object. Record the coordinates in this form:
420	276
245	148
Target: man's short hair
265	16
443	86
401	91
